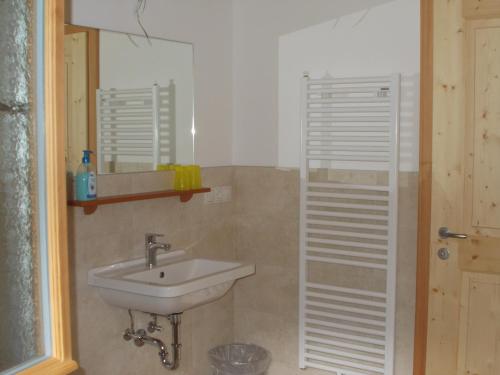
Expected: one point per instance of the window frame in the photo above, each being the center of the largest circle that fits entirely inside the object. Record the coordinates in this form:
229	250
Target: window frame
60	361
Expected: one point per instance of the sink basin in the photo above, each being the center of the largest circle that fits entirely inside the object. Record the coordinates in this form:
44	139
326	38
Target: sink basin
176	284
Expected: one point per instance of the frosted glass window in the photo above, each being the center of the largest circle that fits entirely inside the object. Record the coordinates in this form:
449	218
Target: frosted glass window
23	334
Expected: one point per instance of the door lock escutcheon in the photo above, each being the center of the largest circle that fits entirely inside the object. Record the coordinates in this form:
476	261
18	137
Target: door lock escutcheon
443	253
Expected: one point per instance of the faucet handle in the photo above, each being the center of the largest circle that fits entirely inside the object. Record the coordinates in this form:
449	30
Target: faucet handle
151	237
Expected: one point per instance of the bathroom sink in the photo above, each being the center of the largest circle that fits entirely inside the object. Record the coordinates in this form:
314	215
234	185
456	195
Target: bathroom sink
176	284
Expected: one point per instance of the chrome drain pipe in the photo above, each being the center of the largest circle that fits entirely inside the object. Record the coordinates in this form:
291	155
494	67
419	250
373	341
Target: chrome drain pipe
140	337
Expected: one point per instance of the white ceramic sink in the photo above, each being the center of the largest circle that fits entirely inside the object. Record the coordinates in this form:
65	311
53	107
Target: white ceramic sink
176	284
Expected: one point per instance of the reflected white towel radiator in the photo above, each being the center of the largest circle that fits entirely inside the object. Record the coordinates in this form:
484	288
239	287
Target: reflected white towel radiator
348	228
136	125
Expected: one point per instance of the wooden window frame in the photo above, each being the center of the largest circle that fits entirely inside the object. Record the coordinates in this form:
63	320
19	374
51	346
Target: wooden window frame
60	362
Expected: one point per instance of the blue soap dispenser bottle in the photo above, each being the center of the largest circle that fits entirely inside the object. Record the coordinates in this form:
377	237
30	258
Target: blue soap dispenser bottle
86	179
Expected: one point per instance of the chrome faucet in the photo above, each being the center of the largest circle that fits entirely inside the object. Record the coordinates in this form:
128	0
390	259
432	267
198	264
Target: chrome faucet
152	247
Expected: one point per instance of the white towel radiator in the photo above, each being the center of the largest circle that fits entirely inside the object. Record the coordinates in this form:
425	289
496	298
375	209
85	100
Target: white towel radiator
348	224
136	126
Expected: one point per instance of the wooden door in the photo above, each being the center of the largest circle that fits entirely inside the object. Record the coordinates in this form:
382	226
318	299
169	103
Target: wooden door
75	61
81	53
463	327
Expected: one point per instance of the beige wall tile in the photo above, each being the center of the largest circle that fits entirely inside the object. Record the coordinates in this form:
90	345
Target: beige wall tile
116	232
266	305
259	225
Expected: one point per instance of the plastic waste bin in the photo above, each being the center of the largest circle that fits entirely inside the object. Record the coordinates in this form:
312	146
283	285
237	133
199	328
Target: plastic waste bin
239	359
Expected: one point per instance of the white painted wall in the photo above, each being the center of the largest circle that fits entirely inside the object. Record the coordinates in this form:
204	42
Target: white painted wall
377	41
257	26
124	65
206	24
237	44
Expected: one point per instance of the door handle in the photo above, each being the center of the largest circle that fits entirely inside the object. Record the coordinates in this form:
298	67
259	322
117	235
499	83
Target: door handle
444	232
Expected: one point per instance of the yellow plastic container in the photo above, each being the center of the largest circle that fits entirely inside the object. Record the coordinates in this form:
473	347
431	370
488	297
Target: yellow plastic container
178	179
195	172
182	179
166	167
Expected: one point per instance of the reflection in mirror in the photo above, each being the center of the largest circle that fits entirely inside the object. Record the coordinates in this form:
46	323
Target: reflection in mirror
128	100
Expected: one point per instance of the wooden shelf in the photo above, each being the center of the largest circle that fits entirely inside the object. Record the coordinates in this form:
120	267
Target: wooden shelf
89	207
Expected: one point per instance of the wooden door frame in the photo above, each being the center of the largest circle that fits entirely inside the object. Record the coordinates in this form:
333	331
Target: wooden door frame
425	186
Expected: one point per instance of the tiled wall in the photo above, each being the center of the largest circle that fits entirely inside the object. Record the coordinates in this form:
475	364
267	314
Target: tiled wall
259	225
116	232
266	305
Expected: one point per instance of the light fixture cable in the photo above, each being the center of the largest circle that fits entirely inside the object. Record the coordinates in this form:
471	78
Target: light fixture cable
139	10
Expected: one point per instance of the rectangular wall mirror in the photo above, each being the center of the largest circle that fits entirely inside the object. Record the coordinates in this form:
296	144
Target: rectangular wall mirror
129	99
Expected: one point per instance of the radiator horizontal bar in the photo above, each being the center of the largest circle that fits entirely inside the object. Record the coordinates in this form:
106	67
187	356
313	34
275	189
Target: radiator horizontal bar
356	310
348	354
361	292
314	98
353	364
349	153
350	109
383	80
371	91
358	244
380	188
117	98
145	115
125	107
337	370
125	91
126	122
356	330
346	253
359	120
126	153
346	327
126	130
353	300
342	214
349	146
126	137
348	156
354	205
347	317
345	224
348	345
347	234
343	139
344	262
370	197
349	336
365	159
376	130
